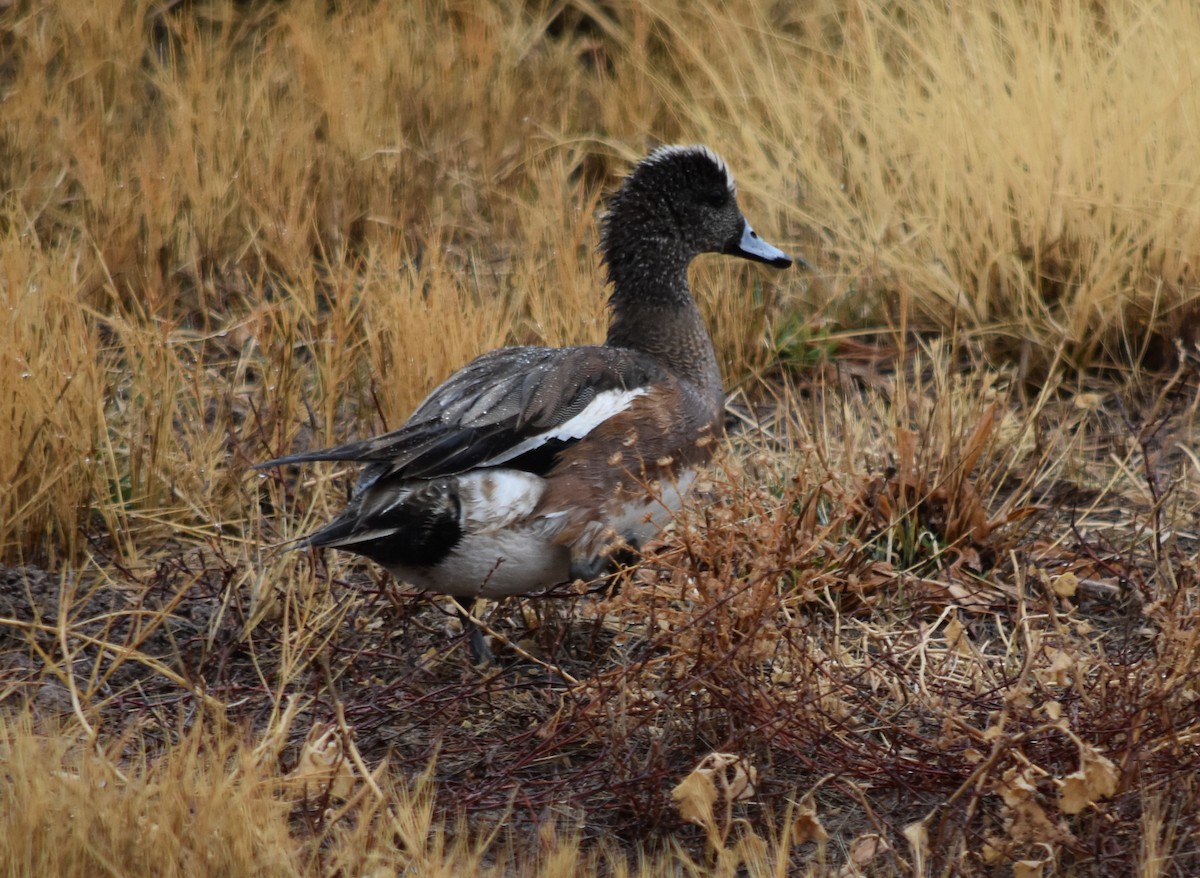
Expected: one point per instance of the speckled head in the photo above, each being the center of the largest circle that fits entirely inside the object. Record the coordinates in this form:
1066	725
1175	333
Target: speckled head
679	202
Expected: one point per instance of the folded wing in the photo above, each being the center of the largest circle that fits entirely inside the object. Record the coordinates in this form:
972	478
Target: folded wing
517	407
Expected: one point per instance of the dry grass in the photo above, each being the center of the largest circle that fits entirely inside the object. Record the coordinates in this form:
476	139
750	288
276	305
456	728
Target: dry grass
939	595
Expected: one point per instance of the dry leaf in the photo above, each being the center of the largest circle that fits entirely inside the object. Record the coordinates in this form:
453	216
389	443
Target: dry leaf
735	777
956	637
723	776
1072	793
968	518
695	796
1028	869
1095	780
1101	773
323	767
863	850
1061	665
1065	585
978	439
866	848
907	442
1026	818
1016	788
992	851
806	826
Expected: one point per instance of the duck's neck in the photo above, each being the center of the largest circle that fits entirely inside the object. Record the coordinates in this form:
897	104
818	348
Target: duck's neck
654	313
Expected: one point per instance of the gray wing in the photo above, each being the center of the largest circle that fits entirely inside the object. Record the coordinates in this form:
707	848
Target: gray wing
504	407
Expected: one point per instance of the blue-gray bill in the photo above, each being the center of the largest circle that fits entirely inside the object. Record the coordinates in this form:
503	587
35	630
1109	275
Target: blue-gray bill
751	246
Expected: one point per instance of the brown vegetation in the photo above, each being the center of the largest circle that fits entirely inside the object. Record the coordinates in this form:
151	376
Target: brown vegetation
934	610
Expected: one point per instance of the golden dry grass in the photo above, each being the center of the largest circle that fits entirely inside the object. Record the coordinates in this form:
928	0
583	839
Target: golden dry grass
939	593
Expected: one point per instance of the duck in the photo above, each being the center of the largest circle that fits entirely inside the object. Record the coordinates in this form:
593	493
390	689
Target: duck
534	466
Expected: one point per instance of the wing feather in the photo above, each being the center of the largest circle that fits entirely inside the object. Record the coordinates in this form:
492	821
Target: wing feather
500	407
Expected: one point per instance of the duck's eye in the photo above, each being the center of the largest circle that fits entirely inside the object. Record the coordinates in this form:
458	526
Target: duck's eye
716	197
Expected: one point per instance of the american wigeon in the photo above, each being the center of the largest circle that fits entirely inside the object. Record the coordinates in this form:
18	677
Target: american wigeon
526	467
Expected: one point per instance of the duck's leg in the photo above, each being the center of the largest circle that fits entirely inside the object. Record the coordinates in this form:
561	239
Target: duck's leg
603	565
480	653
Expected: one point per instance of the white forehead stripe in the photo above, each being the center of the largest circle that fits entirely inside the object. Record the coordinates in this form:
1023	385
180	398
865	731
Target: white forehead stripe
665	152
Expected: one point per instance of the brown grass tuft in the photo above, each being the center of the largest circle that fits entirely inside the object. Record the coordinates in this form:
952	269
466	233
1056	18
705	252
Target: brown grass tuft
936	601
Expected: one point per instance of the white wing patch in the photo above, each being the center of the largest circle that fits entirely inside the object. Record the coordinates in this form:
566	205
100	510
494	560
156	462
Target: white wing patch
494	499
595	413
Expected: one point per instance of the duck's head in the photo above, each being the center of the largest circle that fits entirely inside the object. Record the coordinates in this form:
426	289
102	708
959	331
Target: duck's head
679	202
